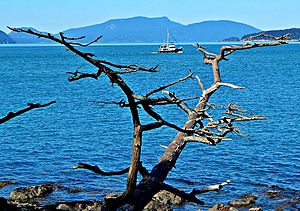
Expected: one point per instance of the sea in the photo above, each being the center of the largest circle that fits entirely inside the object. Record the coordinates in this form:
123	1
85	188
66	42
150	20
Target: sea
42	146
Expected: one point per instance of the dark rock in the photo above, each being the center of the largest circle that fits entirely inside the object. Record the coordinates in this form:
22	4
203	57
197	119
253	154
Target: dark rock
155	205
163	200
82	206
222	207
31	192
6	206
166	197
246	201
3	203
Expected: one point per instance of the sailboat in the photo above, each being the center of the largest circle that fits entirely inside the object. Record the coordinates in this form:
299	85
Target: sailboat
169	47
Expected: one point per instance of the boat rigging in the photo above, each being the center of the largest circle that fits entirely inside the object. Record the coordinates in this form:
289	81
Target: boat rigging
169	47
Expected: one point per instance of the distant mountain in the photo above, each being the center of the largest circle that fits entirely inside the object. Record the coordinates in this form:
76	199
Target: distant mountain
23	38
216	30
295	33
129	30
151	30
5	39
231	39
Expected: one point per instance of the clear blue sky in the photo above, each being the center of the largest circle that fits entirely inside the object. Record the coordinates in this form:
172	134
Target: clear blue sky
58	15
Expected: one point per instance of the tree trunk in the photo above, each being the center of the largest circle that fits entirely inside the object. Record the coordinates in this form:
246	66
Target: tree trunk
150	185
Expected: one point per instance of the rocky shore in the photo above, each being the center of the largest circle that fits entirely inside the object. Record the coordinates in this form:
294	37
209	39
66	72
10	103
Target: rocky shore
27	198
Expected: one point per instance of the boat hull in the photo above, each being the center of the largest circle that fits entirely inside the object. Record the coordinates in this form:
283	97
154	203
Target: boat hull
176	50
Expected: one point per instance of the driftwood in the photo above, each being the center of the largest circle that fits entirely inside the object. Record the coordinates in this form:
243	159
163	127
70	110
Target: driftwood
199	126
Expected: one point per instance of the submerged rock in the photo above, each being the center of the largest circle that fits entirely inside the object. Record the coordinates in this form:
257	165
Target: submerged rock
290	202
246	201
75	190
222	207
31	192
6	183
274	194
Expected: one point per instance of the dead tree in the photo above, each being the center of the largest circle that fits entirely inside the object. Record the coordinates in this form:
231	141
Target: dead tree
200	125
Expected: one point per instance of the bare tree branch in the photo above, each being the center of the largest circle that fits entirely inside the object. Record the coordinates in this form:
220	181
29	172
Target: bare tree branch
200	83
122	103
170	84
282	38
160	120
216	188
79	75
74	38
97	170
192	195
78	38
129	68
143	171
205	53
30	106
187	196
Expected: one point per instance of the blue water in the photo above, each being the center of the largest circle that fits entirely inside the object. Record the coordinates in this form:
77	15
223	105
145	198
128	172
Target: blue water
41	146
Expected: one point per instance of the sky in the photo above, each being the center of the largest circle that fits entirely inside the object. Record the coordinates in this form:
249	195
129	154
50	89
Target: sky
58	15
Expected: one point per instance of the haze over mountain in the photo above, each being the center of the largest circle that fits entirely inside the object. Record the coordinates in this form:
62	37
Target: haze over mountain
5	39
153	30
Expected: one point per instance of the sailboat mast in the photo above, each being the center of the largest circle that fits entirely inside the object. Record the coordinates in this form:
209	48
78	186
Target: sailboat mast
168	35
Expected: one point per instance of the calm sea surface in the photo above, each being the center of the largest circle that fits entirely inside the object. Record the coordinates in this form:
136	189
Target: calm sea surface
41	146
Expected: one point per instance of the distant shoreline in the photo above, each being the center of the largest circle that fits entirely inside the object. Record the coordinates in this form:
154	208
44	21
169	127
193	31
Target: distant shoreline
129	44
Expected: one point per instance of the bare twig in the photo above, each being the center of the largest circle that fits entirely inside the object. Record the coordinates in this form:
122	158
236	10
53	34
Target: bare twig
169	84
129	68
200	83
78	43
30	106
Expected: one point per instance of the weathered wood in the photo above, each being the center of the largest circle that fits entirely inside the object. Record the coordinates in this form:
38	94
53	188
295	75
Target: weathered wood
139	195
